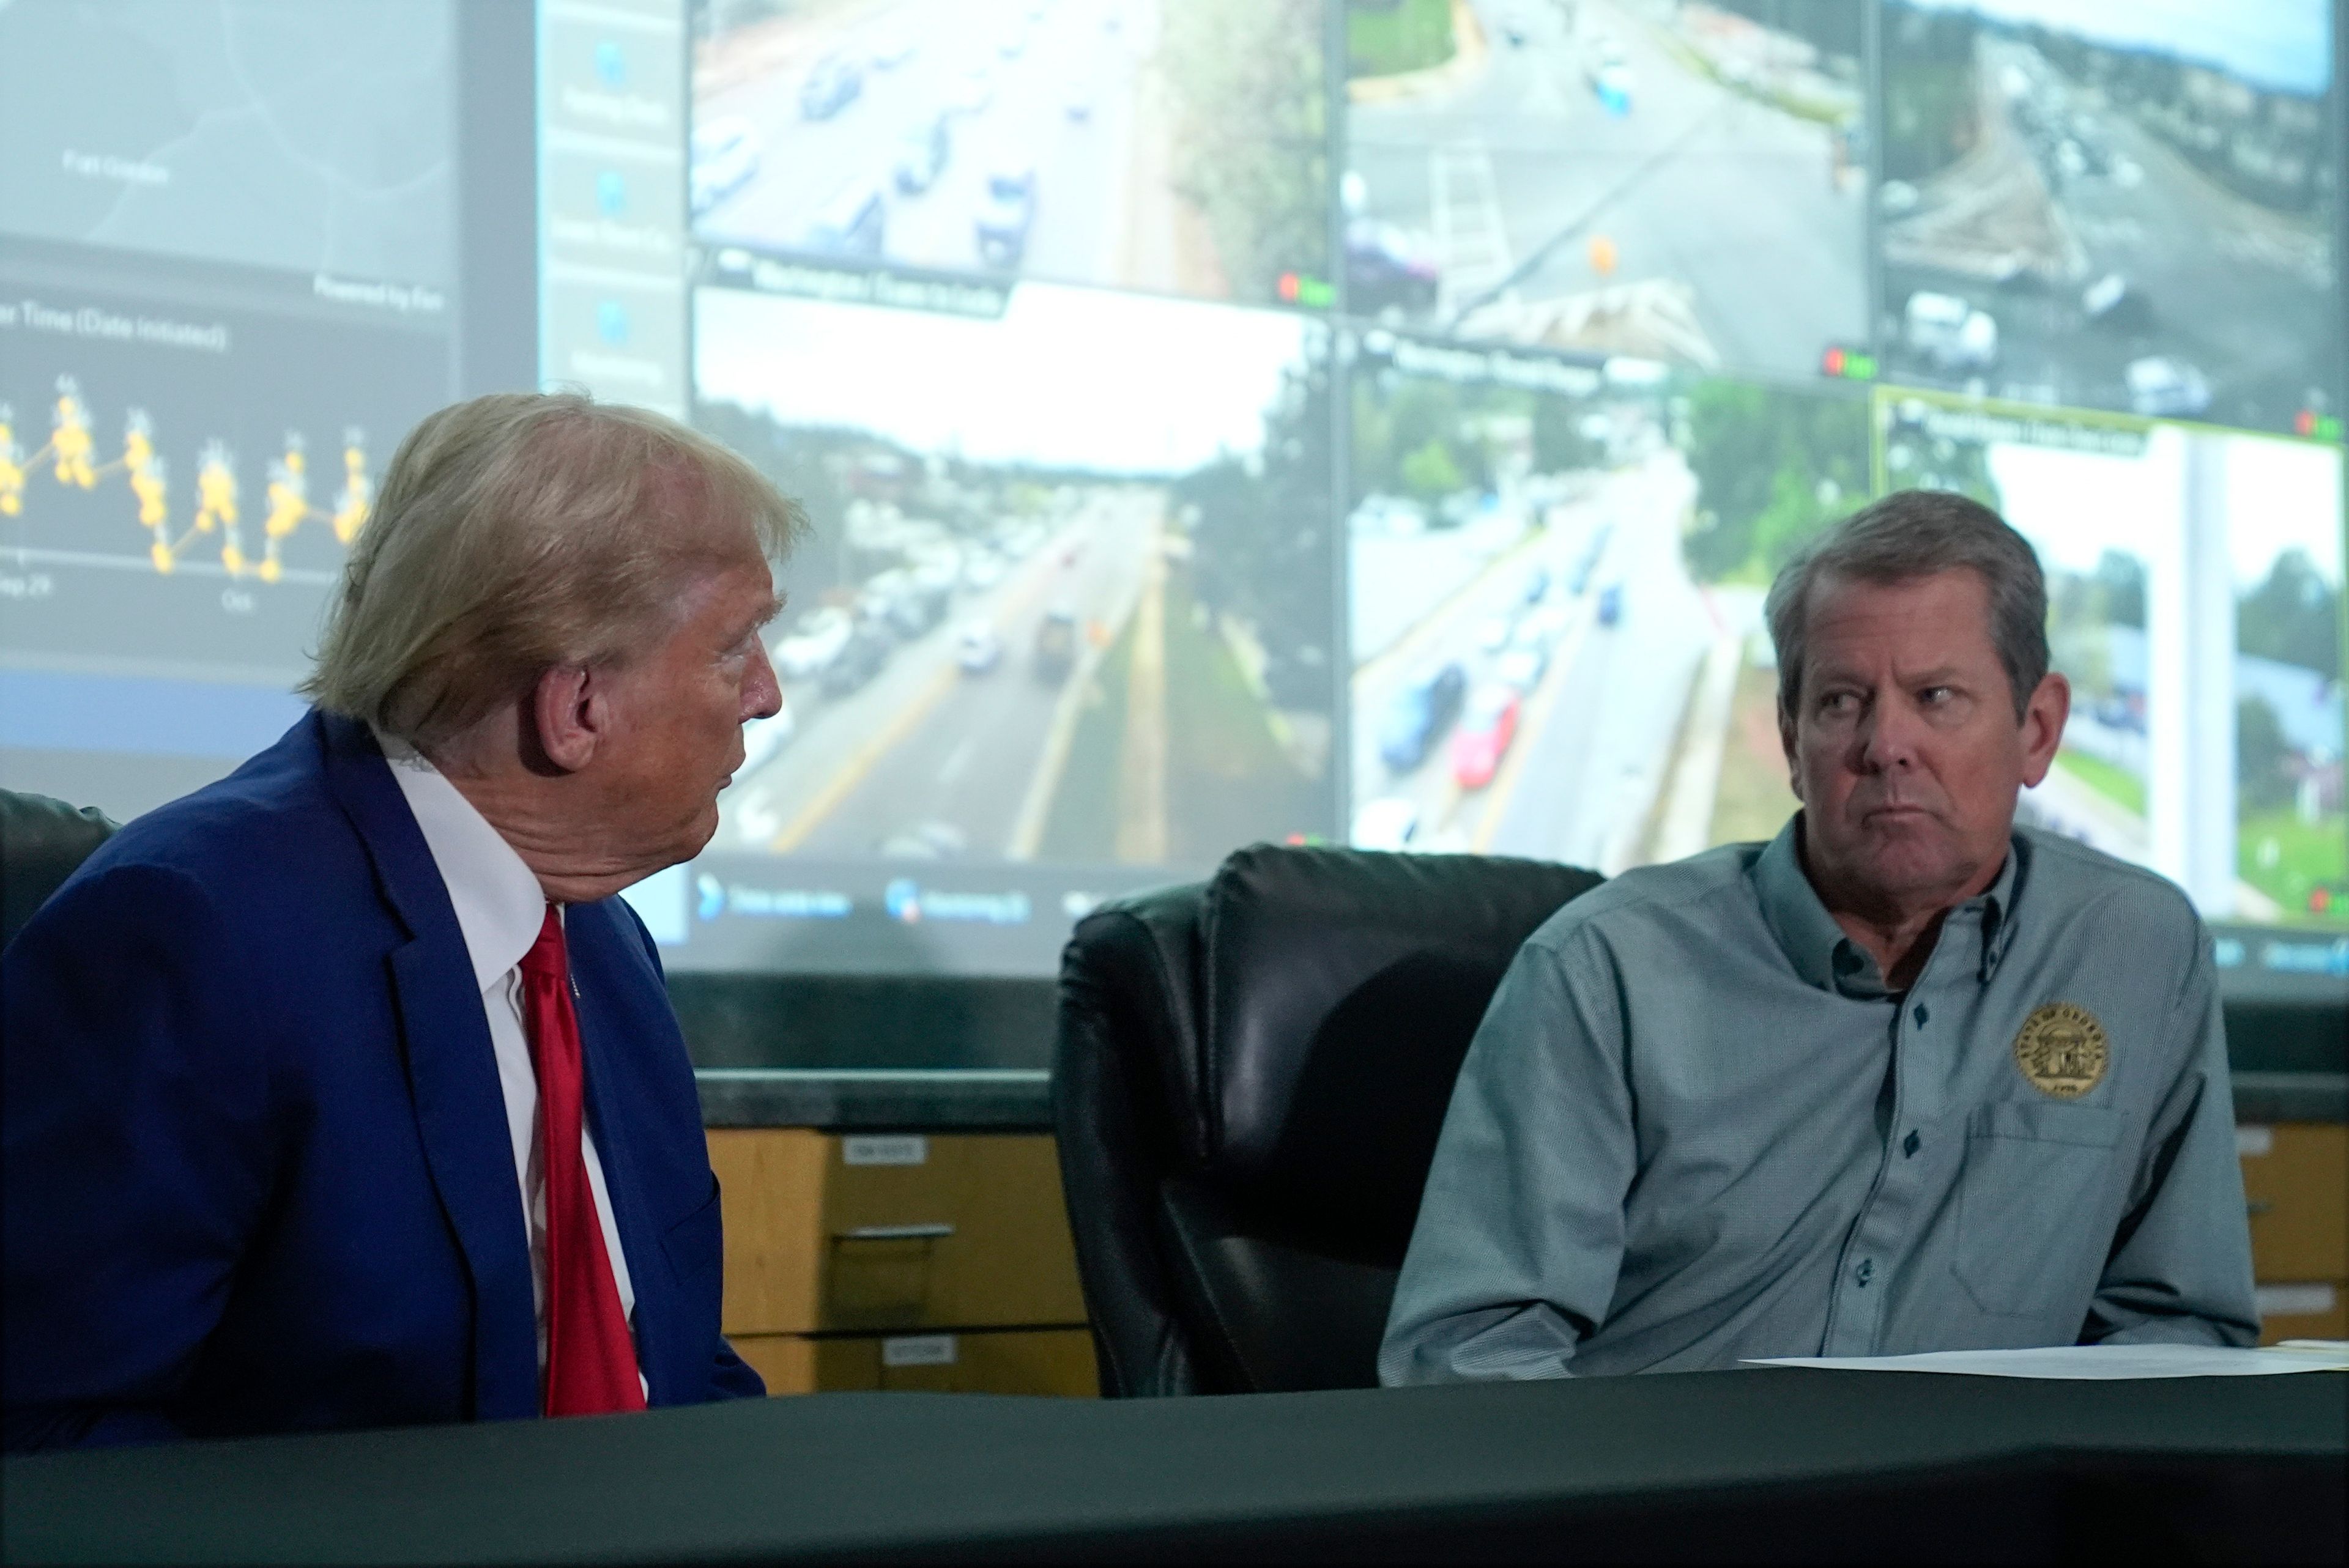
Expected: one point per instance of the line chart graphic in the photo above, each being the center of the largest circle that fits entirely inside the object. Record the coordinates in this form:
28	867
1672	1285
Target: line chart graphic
71	461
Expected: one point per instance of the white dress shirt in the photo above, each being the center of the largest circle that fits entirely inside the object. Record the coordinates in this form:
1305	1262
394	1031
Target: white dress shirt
499	909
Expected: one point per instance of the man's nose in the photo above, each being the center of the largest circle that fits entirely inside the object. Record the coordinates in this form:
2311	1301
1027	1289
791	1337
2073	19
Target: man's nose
1889	735
763	693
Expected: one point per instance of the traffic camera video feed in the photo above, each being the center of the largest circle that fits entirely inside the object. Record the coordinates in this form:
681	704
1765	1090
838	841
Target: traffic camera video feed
1682	182
1048	612
2112	204
2194	585
1178	149
1556	578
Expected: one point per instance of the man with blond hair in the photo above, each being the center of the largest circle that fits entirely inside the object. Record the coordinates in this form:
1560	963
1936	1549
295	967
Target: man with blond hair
345	1092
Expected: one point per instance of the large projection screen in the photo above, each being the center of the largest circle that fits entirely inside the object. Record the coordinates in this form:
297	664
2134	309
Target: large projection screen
1314	421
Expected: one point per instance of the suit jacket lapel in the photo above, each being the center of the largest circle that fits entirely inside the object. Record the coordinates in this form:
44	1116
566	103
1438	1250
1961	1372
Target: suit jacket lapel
452	1074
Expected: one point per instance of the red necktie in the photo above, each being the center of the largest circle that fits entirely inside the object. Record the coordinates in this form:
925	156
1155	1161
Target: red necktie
591	1362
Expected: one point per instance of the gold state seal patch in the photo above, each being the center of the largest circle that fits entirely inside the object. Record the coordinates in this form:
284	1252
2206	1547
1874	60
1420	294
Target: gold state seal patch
2062	1051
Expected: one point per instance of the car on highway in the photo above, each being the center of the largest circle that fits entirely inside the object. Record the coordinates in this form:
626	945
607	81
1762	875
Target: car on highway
1611	604
978	650
982	569
1608	70
854	222
921	605
973	92
814	644
2116	305
726	153
2159	385
1485	731
1418	714
1949	333
859	660
1055	653
893	50
763	737
1521	668
836	79
922	155
1390	822
1388	269
1006	214
1078	105
1536	584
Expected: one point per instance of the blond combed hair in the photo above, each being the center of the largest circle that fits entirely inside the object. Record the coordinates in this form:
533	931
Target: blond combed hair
521	531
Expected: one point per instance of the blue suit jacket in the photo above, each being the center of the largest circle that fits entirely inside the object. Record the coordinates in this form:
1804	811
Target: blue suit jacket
258	1176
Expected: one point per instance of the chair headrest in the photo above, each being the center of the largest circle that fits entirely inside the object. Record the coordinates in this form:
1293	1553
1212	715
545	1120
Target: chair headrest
1340	990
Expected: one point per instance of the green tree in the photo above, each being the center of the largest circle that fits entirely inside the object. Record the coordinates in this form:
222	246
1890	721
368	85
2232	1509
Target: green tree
1773	469
2262	780
2294	616
1262	541
1559	445
1431	473
1251	142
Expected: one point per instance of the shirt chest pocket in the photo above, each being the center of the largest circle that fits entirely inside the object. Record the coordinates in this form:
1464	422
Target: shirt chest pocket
2033	1207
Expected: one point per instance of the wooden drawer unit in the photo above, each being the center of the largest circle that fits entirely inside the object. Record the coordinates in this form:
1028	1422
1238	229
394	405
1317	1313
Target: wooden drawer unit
988	1361
2296	1183
829	1232
2316	1310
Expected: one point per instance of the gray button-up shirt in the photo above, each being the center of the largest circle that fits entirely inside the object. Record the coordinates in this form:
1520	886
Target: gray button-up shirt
1695	1128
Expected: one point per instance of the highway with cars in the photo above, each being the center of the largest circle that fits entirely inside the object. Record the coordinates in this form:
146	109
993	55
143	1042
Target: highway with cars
1587	122
2117	274
938	753
1588	621
990	135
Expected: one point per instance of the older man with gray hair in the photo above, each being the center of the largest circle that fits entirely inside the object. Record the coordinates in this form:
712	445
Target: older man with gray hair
1907	1078
344	1092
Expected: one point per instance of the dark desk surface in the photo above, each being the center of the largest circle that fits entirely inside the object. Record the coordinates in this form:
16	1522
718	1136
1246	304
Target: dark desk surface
1766	1464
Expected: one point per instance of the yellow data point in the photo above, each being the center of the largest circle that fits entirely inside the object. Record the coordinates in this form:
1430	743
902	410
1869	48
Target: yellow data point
232	558
150	492
160	554
1602	255
269	569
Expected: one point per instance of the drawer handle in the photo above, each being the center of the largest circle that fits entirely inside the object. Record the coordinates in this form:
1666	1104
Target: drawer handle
2257	1206
895	1232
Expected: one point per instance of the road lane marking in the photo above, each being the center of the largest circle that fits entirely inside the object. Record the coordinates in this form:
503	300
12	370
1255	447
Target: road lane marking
1530	723
1015	604
1141	754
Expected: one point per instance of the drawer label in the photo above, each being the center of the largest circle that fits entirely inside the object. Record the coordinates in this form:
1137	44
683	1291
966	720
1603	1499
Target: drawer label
896	1149
2252	1140
918	1350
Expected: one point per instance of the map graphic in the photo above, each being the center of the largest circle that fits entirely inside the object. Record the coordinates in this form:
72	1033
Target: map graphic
274	133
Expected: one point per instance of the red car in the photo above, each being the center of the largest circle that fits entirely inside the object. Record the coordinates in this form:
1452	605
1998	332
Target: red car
1483	736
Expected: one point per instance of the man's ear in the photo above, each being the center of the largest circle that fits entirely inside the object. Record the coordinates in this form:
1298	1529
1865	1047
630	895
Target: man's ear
569	711
2043	718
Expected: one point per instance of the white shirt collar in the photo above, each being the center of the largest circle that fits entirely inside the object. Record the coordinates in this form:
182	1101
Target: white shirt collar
500	905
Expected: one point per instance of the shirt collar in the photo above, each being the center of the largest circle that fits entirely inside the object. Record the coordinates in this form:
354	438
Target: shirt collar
500	906
1816	946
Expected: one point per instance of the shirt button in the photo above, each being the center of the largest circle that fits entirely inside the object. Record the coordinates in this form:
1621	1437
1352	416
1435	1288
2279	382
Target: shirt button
1865	1271
1908	1145
1919	1015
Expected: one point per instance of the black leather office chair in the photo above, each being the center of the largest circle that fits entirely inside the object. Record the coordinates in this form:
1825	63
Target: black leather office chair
1250	1076
41	842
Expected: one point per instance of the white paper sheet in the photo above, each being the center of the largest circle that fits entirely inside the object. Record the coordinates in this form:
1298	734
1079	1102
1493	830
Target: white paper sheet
2092	1361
